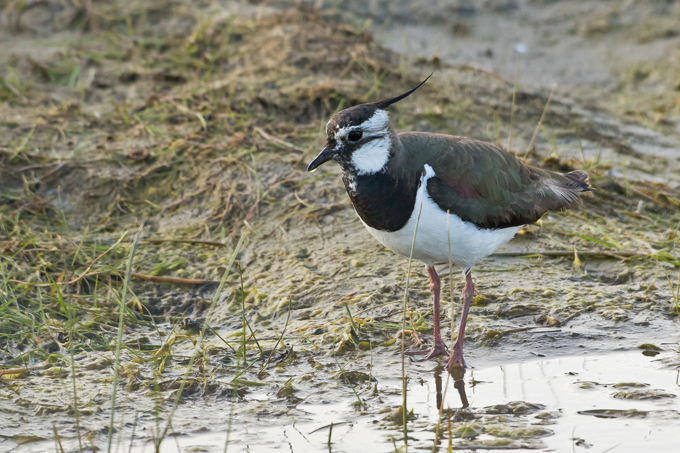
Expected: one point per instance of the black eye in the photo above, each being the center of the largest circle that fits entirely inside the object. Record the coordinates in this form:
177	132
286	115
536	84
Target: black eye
355	136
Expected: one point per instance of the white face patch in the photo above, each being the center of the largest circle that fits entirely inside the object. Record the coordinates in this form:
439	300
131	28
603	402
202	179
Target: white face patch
379	121
372	157
375	124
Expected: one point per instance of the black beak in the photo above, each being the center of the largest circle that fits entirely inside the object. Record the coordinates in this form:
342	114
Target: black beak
324	156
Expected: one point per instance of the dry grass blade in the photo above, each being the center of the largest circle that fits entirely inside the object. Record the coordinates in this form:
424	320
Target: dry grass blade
75	280
186	241
76	407
514	96
57	438
13	373
119	339
279	142
446	386
358	402
280	339
540	122
403	329
174	280
216	297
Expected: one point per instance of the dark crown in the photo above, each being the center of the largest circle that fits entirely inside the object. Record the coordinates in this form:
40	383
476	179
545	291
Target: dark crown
354	116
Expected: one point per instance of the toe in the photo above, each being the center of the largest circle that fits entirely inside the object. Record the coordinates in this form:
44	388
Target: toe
435	351
456	357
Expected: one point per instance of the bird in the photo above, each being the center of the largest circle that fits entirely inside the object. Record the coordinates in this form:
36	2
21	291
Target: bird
463	198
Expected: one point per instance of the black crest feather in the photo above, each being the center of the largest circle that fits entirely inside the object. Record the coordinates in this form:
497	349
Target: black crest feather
387	102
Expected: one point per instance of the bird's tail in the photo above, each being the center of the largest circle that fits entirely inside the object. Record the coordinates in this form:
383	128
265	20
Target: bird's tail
578	181
566	189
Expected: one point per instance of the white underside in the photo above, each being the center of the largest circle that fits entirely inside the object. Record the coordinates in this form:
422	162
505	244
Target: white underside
469	244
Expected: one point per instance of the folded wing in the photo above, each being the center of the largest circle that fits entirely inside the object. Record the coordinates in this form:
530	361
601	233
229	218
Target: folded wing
484	185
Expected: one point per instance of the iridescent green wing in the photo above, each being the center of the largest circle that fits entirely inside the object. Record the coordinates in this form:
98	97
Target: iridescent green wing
484	185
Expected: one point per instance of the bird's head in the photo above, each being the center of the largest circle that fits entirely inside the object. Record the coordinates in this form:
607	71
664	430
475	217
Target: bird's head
359	138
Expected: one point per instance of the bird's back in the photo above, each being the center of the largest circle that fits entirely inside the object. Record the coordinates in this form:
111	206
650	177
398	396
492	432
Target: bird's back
485	185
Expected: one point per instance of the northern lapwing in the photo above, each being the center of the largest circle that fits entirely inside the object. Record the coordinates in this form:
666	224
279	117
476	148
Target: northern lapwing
472	196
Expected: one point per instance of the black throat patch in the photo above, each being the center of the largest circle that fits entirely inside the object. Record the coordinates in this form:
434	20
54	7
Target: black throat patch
382	201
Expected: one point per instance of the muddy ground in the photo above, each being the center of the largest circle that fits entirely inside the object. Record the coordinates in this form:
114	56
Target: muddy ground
194	123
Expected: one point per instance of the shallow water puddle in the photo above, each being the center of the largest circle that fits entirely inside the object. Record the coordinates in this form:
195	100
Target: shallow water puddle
620	402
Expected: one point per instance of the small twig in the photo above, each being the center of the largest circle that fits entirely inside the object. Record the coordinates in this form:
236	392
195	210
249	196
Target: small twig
51	172
183	199
278	141
297	197
187	241
132	437
12	371
57	437
176	280
346	296
342	371
251	211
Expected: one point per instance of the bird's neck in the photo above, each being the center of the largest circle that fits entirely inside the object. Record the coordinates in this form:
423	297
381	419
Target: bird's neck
384	199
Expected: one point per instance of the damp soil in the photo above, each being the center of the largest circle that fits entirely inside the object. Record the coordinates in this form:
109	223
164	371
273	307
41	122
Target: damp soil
553	404
198	122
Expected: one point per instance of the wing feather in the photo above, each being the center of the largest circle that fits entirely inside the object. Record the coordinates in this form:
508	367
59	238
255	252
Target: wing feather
482	184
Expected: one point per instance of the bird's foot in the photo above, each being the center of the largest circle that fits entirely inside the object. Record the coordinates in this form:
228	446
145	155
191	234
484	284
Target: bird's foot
437	349
456	357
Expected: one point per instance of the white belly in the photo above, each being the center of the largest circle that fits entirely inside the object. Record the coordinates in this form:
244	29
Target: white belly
468	244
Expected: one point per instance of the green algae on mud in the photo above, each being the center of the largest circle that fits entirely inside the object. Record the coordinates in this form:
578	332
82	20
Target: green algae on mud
199	123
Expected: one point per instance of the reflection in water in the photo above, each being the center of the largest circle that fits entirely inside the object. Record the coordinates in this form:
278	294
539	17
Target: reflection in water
554	408
457	372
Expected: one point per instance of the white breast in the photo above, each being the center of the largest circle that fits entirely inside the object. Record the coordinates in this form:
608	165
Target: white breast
469	244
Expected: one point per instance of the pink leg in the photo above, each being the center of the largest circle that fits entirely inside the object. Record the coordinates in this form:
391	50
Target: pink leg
438	348
457	354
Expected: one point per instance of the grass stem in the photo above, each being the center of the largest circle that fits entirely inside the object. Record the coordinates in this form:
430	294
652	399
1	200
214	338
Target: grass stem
403	330
119	340
216	297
